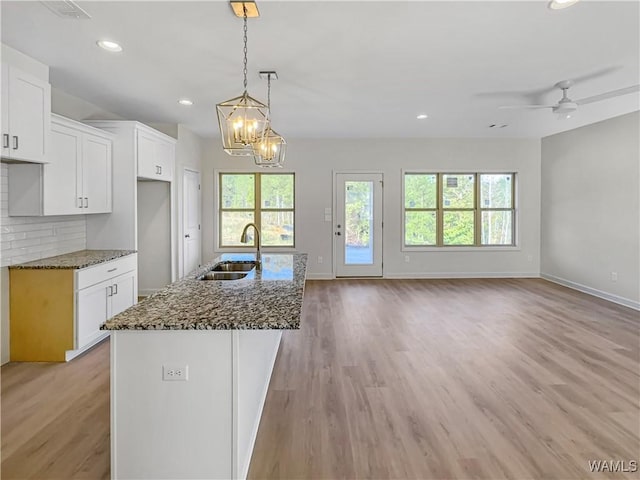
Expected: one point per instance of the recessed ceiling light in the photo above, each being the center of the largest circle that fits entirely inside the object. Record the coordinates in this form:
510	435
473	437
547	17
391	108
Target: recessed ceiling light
560	4
422	116
109	46
185	101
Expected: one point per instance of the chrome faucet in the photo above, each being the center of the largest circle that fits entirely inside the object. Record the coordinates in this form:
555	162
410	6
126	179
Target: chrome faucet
243	239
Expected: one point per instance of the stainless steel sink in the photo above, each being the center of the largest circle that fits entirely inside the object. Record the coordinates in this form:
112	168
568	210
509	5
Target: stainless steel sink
229	270
234	266
223	275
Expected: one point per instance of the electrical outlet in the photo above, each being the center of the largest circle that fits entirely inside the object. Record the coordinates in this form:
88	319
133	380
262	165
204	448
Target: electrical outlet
407	259
320	259
175	373
614	276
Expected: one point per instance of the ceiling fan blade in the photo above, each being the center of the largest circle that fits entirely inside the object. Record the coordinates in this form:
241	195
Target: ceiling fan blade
524	107
599	73
604	96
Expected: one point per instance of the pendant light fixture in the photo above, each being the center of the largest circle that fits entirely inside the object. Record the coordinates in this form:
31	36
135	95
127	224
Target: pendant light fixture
242	120
270	150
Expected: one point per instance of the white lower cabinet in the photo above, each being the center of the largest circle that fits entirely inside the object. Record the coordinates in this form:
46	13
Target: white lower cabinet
98	303
56	313
112	289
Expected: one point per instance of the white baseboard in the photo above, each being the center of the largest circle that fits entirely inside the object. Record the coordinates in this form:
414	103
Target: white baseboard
626	302
320	276
71	354
434	275
447	275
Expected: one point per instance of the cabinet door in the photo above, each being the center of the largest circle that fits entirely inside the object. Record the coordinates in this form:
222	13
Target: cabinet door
96	174
91	312
124	293
29	116
62	181
165	158
4	140
147	165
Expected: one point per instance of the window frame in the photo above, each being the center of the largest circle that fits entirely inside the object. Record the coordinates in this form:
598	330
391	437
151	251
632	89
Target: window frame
477	245
257	210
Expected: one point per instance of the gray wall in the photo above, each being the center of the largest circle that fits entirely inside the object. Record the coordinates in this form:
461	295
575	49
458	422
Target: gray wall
314	162
590	228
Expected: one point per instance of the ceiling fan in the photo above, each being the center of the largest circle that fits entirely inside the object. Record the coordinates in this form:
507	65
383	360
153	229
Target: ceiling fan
565	106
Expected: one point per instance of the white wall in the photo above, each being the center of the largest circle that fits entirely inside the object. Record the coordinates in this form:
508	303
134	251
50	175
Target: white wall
314	161
154	243
590	209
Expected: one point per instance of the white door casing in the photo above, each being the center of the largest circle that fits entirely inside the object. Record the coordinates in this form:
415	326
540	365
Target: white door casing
358	224
191	209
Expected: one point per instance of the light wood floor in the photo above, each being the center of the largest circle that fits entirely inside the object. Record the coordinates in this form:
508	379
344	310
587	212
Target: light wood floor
424	379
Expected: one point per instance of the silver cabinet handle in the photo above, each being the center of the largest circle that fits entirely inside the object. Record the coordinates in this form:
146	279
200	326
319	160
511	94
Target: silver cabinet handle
160	167
115	288
15	142
80	202
110	291
112	269
5	140
187	236
86	202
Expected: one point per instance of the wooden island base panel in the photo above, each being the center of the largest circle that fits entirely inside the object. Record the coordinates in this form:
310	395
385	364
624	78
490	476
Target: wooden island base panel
391	379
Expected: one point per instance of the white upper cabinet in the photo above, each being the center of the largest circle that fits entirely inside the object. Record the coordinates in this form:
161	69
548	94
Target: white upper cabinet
26	115
96	173
77	180
156	157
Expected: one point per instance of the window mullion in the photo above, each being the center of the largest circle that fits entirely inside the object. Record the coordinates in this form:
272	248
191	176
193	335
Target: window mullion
257	215
439	214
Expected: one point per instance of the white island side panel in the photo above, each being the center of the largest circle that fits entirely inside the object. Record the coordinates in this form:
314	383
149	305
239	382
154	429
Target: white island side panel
171	429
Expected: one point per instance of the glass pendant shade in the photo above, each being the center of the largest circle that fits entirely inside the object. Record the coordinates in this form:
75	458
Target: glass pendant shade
243	122
269	152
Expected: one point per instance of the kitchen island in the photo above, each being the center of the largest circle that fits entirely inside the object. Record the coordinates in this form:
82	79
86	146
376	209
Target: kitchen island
190	369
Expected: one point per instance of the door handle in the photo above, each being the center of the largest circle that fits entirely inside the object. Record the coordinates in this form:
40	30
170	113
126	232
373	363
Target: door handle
187	236
115	288
160	167
15	142
80	202
86	202
110	291
338	233
5	140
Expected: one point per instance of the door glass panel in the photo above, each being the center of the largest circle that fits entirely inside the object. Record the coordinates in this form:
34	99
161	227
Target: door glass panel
358	231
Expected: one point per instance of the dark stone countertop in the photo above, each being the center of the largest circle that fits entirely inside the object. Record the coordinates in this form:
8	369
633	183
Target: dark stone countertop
75	260
267	299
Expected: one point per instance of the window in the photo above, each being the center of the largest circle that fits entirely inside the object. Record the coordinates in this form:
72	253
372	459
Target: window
459	209
266	199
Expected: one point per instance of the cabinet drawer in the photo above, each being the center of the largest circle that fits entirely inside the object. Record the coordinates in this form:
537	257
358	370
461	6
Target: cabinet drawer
104	271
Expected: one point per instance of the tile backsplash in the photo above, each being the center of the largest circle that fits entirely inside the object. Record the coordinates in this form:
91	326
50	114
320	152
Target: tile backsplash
23	239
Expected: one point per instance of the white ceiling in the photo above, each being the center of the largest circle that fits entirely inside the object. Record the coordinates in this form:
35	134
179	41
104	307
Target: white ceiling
347	69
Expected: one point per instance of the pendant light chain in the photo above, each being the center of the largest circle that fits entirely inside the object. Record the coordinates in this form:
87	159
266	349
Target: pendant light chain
244	70
269	94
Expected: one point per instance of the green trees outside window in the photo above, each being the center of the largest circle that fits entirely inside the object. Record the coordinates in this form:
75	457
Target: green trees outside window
459	209
266	199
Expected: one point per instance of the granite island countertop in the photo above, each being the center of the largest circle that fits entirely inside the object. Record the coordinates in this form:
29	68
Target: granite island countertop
267	299
75	260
